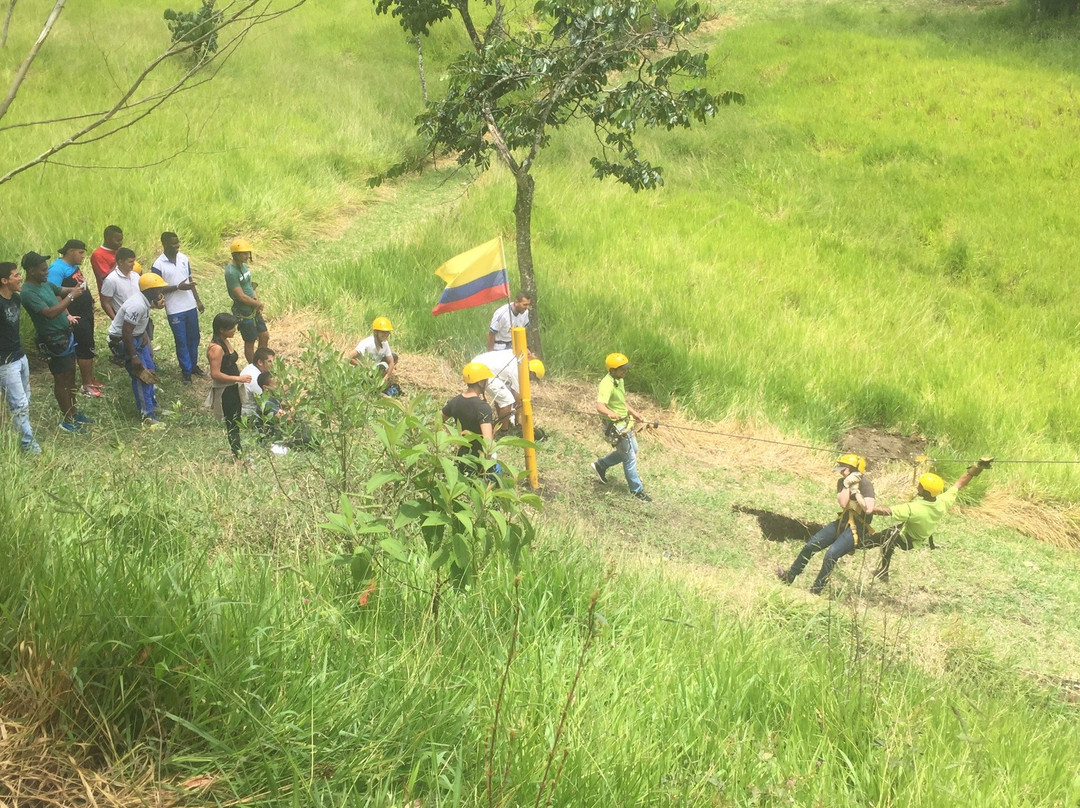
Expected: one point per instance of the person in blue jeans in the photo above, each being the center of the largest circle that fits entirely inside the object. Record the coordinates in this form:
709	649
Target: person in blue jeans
182	305
14	369
619	426
855	495
129	340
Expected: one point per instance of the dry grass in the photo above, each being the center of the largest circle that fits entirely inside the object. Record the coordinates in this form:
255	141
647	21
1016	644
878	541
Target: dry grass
1060	528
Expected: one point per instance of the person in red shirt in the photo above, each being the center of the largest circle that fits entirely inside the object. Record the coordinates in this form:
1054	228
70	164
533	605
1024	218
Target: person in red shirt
103	259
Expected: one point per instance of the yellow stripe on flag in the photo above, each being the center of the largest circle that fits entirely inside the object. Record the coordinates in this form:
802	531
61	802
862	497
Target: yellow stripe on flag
472	264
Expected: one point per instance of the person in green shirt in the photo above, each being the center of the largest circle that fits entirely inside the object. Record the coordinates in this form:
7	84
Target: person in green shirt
619	418
47	306
246	304
918	518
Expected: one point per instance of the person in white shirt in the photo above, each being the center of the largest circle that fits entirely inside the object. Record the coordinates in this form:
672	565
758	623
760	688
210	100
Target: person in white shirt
182	305
511	315
120	284
261	362
503	386
129	340
376	349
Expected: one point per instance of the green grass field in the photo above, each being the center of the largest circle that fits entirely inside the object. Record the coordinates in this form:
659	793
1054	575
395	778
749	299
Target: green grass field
882	236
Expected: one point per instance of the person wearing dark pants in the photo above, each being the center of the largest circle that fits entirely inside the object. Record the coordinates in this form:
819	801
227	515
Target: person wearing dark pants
48	307
918	519
66	272
224	398
855	495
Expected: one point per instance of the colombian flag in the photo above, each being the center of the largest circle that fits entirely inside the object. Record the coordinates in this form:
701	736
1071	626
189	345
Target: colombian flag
473	278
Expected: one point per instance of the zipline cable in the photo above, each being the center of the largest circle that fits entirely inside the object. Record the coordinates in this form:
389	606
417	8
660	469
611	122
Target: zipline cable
658	424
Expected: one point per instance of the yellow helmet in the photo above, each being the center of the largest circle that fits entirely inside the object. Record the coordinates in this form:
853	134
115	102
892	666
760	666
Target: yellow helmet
616	360
149	281
381	324
855	461
476	372
240	245
537	367
932	484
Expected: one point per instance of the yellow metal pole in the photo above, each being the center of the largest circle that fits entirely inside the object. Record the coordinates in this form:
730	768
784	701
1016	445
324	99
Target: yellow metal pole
521	350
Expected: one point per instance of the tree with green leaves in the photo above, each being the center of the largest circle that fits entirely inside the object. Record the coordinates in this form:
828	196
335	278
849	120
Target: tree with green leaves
619	65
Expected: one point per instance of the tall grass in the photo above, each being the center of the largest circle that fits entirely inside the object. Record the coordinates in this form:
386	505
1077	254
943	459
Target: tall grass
264	670
282	138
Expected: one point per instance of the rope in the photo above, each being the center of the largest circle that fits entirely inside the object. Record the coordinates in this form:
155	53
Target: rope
810	448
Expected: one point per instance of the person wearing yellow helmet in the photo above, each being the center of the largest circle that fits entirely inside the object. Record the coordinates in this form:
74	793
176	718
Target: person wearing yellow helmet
618	418
375	349
246	305
471	412
504	386
855	495
129	341
918	518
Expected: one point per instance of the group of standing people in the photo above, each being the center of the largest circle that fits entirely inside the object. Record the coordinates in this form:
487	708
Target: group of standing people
60	305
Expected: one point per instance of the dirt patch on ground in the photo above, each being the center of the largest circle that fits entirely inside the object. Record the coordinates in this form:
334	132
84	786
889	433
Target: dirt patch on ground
880	448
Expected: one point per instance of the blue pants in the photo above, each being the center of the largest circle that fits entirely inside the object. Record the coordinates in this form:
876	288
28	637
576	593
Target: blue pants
185	329
625	453
15	387
145	394
838	547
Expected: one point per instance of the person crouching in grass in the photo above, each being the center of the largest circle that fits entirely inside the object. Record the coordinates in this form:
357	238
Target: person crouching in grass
129	341
376	351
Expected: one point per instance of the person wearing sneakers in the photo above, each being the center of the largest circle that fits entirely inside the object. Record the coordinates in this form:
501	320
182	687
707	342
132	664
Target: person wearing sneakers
129	340
48	307
375	349
918	518
246	304
850	530
471	411
66	272
14	369
182	305
619	418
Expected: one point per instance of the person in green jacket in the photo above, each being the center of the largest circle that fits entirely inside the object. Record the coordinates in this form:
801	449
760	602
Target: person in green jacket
918	518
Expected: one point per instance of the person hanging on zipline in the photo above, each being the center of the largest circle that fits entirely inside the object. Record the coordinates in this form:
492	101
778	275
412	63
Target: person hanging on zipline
918	518
855	495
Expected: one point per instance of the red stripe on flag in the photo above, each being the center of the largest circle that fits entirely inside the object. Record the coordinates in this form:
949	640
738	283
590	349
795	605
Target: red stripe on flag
500	292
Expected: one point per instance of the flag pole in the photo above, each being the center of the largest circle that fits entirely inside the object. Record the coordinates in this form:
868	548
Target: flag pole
524	384
506	273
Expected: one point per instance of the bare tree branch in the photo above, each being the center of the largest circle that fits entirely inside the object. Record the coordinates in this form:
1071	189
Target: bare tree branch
109	121
7	23
24	68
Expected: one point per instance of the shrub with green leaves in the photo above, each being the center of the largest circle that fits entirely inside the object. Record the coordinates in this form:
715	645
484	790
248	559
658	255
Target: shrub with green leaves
199	27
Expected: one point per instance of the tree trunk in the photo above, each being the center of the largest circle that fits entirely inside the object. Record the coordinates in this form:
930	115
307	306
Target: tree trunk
523	203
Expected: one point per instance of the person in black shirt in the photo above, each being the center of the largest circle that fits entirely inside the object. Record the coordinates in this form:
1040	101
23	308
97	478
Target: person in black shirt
14	369
469	409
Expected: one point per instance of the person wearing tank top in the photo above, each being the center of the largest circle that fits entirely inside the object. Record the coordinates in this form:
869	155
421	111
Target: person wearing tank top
224	398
